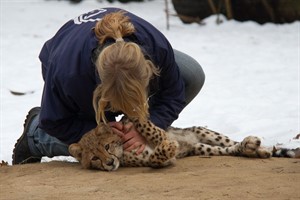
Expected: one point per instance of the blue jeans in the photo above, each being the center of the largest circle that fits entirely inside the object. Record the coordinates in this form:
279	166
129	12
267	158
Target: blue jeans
42	144
192	74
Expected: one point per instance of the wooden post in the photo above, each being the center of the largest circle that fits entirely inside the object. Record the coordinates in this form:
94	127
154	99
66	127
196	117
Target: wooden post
212	7
269	9
228	9
167	14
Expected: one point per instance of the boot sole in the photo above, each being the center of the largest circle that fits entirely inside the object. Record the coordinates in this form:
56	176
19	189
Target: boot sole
33	112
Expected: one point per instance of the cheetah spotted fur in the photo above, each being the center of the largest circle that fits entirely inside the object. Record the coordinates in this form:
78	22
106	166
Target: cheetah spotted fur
102	149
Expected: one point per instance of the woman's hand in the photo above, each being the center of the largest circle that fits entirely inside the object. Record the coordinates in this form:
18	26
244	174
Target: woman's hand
117	128
132	140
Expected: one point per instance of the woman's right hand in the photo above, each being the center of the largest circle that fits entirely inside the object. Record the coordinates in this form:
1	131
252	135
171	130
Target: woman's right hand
132	139
117	128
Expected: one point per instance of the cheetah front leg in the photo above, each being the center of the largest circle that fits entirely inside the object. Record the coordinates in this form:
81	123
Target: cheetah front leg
152	133
164	150
249	147
164	154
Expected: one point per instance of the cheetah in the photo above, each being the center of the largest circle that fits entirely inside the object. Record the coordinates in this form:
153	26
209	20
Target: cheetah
102	149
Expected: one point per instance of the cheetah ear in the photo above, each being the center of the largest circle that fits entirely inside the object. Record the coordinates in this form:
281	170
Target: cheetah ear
102	129
76	151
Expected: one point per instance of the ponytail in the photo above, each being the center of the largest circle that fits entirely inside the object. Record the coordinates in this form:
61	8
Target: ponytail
114	25
123	70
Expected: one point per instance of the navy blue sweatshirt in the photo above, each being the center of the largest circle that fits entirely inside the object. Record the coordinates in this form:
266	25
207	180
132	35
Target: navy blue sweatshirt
70	77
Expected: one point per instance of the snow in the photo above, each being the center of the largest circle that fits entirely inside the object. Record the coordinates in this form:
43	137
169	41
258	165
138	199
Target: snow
252	71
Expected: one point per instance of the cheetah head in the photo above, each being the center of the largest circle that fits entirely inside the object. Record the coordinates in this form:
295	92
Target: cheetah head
99	149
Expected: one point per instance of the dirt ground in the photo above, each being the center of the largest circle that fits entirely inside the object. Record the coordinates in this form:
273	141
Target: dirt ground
191	178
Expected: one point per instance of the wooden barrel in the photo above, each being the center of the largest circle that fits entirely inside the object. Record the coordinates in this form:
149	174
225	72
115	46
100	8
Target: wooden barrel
261	11
288	11
188	9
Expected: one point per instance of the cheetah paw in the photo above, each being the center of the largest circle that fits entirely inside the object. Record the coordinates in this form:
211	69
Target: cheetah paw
263	152
250	147
169	148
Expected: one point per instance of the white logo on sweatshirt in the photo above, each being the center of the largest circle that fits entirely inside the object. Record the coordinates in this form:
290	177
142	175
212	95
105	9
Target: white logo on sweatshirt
89	17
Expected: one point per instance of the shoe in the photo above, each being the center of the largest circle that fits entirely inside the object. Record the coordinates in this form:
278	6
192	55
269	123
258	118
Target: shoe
21	152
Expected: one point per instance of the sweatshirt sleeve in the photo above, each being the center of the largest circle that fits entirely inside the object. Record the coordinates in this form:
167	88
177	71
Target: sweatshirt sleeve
169	98
64	111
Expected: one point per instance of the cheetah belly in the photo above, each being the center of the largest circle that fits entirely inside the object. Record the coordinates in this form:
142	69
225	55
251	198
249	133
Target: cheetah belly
186	141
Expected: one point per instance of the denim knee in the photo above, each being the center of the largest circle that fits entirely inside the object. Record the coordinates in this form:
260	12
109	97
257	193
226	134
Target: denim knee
192	73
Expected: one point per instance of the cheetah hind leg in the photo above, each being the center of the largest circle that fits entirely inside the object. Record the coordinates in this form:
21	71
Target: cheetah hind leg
249	147
164	154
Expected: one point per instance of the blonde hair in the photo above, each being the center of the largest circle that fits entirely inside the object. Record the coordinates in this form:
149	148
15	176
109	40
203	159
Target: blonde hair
124	72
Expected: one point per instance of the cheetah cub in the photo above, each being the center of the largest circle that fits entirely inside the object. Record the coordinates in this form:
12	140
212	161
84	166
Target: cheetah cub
102	149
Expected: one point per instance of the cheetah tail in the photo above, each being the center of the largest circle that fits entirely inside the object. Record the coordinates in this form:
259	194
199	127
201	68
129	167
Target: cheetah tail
287	153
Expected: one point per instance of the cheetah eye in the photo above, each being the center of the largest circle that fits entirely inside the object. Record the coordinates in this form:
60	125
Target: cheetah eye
106	147
95	158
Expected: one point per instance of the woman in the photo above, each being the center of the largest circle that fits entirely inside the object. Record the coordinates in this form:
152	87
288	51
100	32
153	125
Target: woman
97	66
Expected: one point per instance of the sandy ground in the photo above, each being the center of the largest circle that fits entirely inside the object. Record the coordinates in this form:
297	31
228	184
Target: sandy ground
191	178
